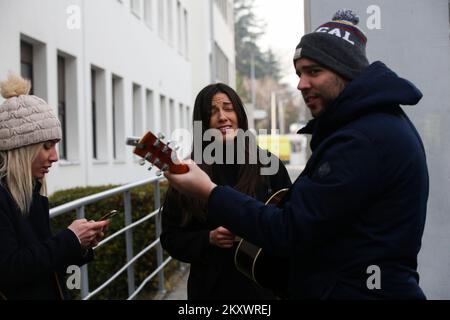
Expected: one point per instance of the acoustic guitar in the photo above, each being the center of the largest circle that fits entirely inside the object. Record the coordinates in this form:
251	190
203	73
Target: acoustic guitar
267	271
151	148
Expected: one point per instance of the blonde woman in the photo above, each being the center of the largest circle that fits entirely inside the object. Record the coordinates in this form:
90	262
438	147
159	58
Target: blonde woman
32	260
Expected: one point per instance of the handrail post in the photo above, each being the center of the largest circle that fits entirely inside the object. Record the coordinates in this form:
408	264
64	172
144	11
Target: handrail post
84	268
129	241
159	250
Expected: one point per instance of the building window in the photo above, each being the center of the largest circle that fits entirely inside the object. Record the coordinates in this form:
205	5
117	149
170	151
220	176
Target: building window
33	65
161	22
170	21
62	106
118	124
226	9
94	114
68	106
222	5
150	123
137	111
179	29
26	62
231	14
172	117
186	33
148	11
98	105
187	117
113	110
182	118
135	6
222	73
164	115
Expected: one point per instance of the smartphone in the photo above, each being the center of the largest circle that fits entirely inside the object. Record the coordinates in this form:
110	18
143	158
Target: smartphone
109	215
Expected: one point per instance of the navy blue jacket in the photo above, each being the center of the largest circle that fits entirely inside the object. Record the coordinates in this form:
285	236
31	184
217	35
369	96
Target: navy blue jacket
33	263
359	204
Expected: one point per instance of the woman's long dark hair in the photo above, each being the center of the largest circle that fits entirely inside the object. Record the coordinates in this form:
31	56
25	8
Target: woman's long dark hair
248	174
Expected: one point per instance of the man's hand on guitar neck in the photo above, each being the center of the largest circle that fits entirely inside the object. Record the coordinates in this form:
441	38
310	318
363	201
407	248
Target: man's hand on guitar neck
195	182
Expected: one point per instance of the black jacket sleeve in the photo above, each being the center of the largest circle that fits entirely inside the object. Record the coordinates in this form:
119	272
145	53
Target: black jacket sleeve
21	263
188	243
318	207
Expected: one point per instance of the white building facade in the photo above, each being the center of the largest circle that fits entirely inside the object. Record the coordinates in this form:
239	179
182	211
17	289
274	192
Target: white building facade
113	69
213	27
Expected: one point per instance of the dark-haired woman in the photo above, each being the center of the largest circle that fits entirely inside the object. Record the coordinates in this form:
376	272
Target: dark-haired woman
186	235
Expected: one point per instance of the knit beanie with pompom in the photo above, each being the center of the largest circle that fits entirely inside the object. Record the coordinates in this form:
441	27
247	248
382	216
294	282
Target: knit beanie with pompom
338	45
25	119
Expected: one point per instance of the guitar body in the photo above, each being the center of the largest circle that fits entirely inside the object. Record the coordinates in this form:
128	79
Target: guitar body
267	271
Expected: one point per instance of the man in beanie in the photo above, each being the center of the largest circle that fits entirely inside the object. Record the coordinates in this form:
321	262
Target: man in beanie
33	262
352	223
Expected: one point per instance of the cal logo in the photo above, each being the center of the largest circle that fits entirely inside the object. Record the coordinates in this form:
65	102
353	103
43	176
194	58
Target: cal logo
336	32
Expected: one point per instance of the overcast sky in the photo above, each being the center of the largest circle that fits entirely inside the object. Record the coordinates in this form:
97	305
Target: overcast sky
284	28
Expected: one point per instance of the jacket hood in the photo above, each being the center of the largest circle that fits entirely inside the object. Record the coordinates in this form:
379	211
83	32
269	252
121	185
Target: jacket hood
377	87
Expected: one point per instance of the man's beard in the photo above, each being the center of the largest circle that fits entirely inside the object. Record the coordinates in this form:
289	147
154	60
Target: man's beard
329	93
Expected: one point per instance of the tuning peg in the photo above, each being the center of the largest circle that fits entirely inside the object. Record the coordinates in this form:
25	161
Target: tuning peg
148	156
134	141
166	148
160	136
165	168
157	143
176	148
157	162
159	173
150	168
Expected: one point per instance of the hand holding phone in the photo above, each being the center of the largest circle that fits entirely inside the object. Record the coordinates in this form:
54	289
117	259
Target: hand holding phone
109	215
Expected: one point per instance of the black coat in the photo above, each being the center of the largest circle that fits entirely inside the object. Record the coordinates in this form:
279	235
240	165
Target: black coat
213	274
33	263
360	204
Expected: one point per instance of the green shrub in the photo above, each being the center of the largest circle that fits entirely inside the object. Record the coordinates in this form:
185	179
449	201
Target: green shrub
110	257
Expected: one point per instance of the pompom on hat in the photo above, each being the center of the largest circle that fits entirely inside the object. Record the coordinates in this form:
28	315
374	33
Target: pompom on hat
25	119
338	45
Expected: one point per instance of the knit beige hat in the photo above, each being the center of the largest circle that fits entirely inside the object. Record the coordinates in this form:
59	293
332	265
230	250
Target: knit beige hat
25	119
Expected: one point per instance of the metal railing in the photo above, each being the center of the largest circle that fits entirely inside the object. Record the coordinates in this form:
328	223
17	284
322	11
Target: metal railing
80	204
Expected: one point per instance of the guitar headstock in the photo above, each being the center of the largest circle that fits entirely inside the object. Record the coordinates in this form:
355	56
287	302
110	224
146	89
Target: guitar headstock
151	148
